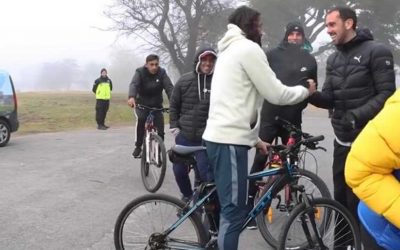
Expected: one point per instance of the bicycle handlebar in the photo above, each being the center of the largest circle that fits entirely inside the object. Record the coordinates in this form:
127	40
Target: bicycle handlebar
288	126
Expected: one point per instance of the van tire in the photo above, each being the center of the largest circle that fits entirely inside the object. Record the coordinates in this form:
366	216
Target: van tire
5	133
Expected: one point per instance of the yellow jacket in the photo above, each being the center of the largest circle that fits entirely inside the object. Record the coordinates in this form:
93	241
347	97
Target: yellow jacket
374	156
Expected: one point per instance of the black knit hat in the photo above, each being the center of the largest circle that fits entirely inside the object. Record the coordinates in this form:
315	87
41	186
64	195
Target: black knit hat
293	26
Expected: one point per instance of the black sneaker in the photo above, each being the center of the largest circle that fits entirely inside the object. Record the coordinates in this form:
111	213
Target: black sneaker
136	152
101	127
252	225
106	126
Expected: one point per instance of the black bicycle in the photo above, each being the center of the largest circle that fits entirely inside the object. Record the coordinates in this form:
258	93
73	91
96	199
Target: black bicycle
159	221
154	156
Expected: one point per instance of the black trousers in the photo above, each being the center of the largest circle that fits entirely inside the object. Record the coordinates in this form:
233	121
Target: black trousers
101	110
268	132
341	191
141	116
343	194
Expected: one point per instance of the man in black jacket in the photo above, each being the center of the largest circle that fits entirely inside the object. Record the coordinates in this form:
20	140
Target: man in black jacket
293	65
146	89
359	78
189	107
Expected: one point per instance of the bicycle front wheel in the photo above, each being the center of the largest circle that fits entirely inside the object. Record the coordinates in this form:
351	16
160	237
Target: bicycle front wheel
275	215
326	224
142	222
153	163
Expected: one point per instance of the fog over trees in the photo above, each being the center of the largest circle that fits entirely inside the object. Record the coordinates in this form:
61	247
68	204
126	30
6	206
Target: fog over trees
175	29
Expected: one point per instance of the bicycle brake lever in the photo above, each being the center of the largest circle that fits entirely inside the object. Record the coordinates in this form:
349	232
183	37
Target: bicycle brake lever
322	148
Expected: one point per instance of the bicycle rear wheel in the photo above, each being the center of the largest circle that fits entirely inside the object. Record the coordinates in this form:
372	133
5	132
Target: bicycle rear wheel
141	223
337	230
153	163
275	215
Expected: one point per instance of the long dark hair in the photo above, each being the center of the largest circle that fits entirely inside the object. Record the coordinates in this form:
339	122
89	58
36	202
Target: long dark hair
246	19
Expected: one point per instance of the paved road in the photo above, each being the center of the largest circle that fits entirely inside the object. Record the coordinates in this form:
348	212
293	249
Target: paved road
65	190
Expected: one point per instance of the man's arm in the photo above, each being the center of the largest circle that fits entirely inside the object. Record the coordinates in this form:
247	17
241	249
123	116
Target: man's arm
134	85
175	106
324	99
111	85
134	89
314	71
265	81
382	71
96	83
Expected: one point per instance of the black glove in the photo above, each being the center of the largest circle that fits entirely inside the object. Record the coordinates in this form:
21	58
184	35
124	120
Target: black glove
348	121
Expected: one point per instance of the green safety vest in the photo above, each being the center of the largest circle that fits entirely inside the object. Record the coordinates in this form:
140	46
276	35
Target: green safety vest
103	91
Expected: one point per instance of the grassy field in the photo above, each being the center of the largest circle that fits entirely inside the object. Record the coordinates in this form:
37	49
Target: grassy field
59	111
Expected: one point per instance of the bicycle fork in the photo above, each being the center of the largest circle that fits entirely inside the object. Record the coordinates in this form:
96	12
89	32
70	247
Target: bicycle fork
311	214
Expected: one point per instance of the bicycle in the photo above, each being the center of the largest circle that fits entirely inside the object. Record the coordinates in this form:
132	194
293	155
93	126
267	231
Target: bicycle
152	221
154	157
275	215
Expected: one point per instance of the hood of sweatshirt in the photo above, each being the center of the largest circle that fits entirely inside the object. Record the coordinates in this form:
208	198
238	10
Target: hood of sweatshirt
233	34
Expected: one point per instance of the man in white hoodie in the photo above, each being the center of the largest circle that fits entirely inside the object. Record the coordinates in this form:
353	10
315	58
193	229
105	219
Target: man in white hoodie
242	80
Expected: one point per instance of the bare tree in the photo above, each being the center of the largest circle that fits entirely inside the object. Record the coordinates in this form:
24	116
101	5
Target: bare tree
171	28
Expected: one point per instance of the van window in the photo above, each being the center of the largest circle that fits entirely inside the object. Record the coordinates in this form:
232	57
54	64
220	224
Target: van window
6	94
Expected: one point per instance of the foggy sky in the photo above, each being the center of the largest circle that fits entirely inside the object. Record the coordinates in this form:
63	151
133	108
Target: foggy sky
35	32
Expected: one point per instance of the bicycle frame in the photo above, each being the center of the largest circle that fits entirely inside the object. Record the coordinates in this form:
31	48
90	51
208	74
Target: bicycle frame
287	170
151	129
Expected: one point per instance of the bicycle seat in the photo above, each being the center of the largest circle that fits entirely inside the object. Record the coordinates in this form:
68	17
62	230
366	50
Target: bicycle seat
185	150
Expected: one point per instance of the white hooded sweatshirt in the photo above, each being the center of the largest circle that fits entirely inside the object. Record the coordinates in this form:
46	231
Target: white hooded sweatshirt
242	79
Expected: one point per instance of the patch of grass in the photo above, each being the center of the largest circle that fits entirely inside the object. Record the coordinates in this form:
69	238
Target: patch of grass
59	111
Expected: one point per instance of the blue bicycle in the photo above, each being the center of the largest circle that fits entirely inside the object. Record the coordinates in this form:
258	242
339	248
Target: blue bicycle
159	221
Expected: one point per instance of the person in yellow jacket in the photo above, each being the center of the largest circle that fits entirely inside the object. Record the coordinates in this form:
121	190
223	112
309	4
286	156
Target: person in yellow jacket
373	172
102	87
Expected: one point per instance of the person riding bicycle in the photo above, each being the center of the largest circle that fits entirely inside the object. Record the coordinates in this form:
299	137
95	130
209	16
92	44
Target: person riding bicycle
373	172
241	80
146	89
189	106
293	65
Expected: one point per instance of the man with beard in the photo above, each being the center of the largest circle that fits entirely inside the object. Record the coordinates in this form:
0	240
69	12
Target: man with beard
359	79
293	65
242	80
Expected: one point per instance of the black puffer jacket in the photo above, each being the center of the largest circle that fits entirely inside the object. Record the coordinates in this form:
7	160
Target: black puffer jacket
190	101
359	79
292	65
147	88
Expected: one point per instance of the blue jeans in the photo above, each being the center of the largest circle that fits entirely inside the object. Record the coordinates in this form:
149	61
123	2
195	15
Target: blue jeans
181	171
229	164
